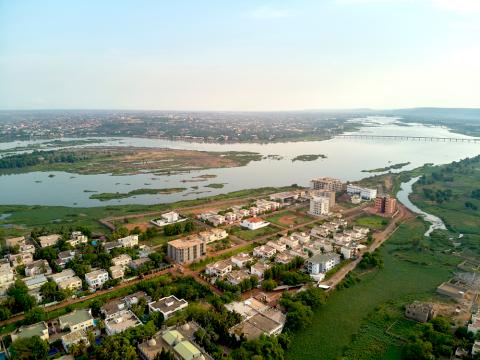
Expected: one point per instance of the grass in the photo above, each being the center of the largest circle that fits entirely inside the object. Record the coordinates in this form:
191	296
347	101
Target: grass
299	219
387	168
215	185
372	221
142	191
309	157
246	234
405	276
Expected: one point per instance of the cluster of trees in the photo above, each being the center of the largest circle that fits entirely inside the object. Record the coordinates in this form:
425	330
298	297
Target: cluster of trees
244	285
475	194
431	341
18	300
179	228
348	281
300	307
371	260
286	273
471	206
19	161
439	196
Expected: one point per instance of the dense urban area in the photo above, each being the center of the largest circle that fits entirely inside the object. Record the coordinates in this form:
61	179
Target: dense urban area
245	276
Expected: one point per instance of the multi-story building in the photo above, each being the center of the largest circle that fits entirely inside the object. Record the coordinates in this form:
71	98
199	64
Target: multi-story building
27	331
220	268
213	235
365	193
23	258
241	259
385	205
72	283
77	238
122	260
321	263
325	183
96	279
80	319
7	277
319	206
258	269
64	257
186	250
65	274
117	271
264	251
38	267
325	193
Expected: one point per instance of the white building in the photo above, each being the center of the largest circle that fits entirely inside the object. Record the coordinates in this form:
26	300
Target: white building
6	277
59	277
80	319
220	268
171	217
74	337
264	251
96	279
121	321
168	305
319	206
38	267
321	263
258	269
77	238
254	223
213	235
129	241
122	260
365	193
23	258
241	259
72	283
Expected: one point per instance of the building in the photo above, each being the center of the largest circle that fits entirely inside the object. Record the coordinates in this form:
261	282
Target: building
321	263
258	269
319	206
23	258
129	241
363	192
77	238
326	183
476	347
121	321
38	267
48	240
109	246
264	251
213	235
241	259
80	319
277	245
254	223
474	325
171	217
117	271
64	257
186	250
134	298
73	283
349	251
220	268
137	263
122	260
12	242
168	305
284	258
95	279
330	195
285	197
27	331
7	277
74	337
420	312
452	290
235	277
385	205
35	282
63	275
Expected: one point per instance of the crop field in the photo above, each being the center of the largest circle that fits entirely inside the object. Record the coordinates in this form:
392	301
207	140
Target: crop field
287	218
410	272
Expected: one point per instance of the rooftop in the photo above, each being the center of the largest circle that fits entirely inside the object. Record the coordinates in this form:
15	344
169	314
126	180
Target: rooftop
123	321
167	304
28	331
76	317
185	242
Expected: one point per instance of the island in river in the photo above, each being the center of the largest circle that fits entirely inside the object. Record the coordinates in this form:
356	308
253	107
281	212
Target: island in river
123	160
143	191
388	168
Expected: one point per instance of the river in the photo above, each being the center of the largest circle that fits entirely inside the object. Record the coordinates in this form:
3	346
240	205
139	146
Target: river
346	158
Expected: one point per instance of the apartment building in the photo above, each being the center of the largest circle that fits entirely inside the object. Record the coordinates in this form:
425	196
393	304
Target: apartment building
385	205
321	263
319	206
186	250
326	183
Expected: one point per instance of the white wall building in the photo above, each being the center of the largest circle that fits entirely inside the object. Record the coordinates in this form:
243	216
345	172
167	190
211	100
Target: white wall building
96	279
321	263
129	241
365	193
254	223
319	206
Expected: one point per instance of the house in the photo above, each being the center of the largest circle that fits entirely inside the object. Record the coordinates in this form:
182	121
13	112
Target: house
7	277
137	263
230	216
63	275
264	251
168	305
12	242
235	277
254	211
48	240
112	308
216	220
319	205
122	260
27	331
302	237
420	312
241	259
284	258
254	223
476	347
73	283
74	337
129	241
117	271
77	238
220	268
144	251
474	325
35	282
23	258
80	319
134	298
289	241
186	250
64	257
171	217
24	248
95	279
321	263
258	269
277	245
121	321
213	235
109	246
38	267
349	251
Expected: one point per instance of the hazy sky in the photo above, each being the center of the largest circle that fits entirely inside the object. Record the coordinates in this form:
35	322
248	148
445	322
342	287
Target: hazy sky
239	55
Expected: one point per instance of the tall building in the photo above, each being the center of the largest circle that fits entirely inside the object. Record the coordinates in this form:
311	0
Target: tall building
319	205
326	183
325	193
186	250
385	204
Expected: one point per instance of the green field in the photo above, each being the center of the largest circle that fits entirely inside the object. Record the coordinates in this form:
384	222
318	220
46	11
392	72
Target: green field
142	191
246	234
283	218
372	221
409	273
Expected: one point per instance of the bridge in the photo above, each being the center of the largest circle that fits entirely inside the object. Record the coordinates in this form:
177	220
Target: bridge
408	138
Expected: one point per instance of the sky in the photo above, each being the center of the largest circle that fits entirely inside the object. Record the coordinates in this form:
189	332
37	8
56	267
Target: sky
239	55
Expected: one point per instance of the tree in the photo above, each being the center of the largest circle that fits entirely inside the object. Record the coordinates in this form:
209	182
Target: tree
22	301
34	315
116	348
32	348
188	227
418	350
269	284
165	355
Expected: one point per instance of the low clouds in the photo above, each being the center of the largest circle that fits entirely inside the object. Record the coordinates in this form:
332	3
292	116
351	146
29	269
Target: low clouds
269	12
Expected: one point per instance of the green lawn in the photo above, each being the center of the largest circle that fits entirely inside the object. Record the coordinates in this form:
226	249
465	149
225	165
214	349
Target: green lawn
246	234
372	221
297	219
408	274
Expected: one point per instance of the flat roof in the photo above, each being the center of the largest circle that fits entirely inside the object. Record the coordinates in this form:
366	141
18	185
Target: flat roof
167	304
123	322
185	242
171	336
187	350
76	317
30	330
